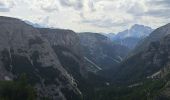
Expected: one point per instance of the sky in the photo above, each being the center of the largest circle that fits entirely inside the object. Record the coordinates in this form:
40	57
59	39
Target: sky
104	16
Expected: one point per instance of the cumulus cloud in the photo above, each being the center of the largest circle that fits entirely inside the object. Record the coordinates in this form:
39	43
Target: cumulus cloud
3	8
91	5
137	8
77	4
159	9
49	8
90	15
164	3
6	5
45	5
107	23
161	13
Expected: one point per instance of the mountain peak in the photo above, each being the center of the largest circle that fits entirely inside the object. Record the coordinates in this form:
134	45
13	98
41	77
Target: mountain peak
130	37
136	31
137	26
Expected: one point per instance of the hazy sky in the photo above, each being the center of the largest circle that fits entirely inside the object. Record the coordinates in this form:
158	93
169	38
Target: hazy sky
89	15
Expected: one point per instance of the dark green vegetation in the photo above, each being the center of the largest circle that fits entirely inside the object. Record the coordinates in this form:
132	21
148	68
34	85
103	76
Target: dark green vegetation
149	90
94	88
145	63
72	66
86	85
34	72
17	90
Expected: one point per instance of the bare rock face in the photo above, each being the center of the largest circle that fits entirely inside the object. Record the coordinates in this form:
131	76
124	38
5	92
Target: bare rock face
102	55
24	50
101	52
152	60
156	35
60	37
132	36
67	47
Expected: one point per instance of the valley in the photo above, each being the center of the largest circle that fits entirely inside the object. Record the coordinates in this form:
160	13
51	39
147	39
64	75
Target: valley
61	64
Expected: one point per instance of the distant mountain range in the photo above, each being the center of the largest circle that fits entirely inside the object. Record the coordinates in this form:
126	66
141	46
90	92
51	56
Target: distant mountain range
132	36
136	31
146	70
150	56
65	65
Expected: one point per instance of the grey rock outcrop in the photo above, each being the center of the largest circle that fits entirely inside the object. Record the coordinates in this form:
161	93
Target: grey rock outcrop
152	57
101	51
132	36
24	50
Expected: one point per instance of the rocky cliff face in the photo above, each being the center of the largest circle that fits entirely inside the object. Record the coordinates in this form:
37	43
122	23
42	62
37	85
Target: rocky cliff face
156	35
136	31
66	45
129	42
24	50
151	60
100	51
65	38
132	36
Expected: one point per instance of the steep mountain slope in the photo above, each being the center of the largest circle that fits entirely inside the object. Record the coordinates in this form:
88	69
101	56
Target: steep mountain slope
111	36
156	35
100	51
143	76
151	59
67	46
24	50
129	42
136	30
65	38
132	36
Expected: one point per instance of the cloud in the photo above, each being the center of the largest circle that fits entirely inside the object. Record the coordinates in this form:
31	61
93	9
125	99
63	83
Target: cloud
49	8
3	8
106	23
137	8
159	9
164	3
6	5
161	13
91	5
76	4
90	15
